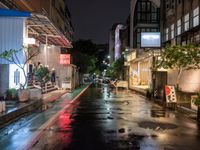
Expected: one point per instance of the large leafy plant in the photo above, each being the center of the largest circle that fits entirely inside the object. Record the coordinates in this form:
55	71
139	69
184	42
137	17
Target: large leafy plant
13	57
42	75
181	58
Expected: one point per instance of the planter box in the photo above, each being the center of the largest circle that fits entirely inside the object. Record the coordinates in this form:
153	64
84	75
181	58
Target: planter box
23	95
35	94
66	85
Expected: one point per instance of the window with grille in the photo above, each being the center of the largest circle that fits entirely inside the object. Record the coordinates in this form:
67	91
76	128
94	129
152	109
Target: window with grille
196	17
179	27
186	22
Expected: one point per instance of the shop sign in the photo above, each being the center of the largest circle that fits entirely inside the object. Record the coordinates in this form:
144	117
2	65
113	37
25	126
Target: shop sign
170	94
65	59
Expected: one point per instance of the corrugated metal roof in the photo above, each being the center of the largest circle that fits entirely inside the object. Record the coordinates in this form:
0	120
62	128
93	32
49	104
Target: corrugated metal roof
40	27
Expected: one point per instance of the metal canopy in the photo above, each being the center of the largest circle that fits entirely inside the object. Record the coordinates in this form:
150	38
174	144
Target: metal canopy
41	28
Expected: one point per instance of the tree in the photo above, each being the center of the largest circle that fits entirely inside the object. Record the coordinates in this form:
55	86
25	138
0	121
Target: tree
116	69
13	57
85	46
83	54
181	58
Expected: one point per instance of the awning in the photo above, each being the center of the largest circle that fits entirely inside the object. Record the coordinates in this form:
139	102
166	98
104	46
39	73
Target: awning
13	13
41	28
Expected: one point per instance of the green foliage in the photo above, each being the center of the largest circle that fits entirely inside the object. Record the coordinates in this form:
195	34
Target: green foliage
11	93
180	57
42	74
197	100
83	54
85	46
116	69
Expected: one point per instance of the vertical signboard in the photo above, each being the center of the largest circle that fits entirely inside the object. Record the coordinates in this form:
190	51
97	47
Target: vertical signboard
170	94
65	59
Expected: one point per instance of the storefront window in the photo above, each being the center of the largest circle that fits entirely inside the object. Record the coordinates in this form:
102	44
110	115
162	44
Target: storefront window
196	17
186	22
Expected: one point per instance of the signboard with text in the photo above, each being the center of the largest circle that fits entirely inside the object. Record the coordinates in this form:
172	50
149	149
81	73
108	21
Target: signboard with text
65	59
170	94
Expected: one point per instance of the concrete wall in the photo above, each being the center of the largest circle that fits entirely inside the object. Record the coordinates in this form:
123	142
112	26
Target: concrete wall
189	81
11	37
52	58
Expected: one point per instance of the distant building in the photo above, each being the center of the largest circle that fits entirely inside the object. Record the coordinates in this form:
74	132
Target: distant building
144	18
116	42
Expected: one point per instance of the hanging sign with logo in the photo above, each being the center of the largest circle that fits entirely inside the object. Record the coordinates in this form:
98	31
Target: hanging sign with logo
170	94
65	59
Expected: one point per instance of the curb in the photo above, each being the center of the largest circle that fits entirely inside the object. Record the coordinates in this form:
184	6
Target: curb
16	114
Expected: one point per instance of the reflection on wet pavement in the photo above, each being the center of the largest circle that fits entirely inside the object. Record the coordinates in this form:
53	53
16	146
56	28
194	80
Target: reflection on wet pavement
119	120
103	119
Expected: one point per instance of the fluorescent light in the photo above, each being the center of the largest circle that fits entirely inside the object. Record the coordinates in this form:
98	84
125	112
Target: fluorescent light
29	41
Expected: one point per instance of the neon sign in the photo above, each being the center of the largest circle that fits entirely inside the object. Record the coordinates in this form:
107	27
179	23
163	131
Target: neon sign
65	59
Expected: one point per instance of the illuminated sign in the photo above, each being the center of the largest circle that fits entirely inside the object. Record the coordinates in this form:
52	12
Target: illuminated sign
150	39
65	59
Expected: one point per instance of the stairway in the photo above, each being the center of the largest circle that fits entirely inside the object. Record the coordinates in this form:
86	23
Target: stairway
49	86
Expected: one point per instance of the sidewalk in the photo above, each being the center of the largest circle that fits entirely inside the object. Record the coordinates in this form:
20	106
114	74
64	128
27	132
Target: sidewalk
18	134
188	112
15	109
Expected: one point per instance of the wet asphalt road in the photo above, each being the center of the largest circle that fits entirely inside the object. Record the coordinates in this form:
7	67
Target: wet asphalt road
105	119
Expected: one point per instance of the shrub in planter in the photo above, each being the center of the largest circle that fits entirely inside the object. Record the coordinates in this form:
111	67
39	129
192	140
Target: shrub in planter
11	94
197	103
148	93
42	74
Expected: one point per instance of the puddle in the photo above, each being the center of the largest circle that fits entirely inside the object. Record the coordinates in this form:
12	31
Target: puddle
157	125
158	113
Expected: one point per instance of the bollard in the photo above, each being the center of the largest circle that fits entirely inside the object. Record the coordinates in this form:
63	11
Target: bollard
1	110
3	106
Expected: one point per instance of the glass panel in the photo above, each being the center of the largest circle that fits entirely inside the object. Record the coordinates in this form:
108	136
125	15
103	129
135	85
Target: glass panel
195	21
196	11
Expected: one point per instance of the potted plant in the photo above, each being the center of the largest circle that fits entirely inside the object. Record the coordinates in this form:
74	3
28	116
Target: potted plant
12	56
196	101
11	94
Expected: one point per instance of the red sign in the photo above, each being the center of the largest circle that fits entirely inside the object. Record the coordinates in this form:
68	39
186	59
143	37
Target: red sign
64	59
167	90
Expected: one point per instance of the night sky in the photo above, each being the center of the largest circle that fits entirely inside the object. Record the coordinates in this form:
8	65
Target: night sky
92	19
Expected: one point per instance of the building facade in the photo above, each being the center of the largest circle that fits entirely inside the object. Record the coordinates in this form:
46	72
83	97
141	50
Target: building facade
144	18
180	26
49	24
